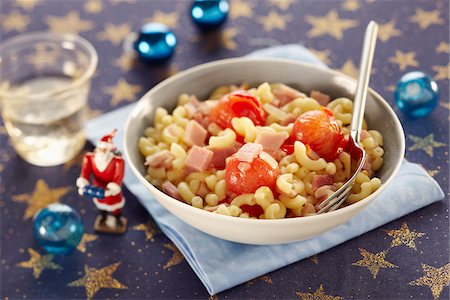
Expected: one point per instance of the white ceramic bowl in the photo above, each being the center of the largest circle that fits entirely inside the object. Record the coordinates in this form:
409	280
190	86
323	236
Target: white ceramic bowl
200	81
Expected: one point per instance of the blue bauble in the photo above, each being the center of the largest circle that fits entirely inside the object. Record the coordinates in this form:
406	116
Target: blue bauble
155	43
58	228
416	94
209	14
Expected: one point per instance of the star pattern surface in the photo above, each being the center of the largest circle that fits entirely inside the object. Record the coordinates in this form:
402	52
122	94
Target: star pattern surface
351	5
425	18
282	4
71	23
114	33
241	8
169	19
442	72
15	21
314	259
42	196
349	68
318	294
330	25
28	5
93	6
274	21
43	56
96	279
323	55
148	228
263	278
39	263
125	62
435	278
373	261
404	59
387	30
177	256
404	236
122	91
426	144
443	47
87	238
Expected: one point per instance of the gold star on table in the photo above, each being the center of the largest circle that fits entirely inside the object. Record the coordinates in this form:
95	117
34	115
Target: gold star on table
390	88
317	295
213	40
27	4
314	259
125	62
93	113
43	55
39	263
114	33
445	105
349	68
388	30
93	6
176	258
426	18
404	236
442	72
404	59
122	91
324	55
426	144
274	21
148	228
68	23
351	5
432	173
227	38
40	198
169	19
373	261
282	4
240	8
96	279
87	238
15	21
263	278
443	47
435	278
330	24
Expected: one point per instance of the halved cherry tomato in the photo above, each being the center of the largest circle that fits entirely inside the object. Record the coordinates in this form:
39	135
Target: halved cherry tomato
245	178
319	130
238	104
252	210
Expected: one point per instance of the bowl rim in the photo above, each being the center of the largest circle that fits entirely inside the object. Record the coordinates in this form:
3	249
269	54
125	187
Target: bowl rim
277	222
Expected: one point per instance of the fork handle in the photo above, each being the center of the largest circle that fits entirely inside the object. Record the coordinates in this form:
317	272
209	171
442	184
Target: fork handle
365	67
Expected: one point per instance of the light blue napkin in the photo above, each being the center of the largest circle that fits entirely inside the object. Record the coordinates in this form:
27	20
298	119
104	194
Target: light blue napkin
220	264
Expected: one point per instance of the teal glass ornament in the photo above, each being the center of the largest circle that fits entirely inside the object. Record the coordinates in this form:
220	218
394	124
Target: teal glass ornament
209	14
58	228
416	94
155	43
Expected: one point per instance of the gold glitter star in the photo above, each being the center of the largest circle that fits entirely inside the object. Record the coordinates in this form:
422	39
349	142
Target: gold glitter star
96	279
351	5
388	30
390	88
373	261
315	259
176	258
169	19
426	18
227	38
38	263
40	198
27	4
93	6
15	21
274	21
445	105
148	228
442	72
317	295
330	24
68	23
125	62
282	4
404	59
435	278
122	91
426	144
114	33
263	278
349	68
87	238
432	173
443	48
93	113
324	55
239	8
404	236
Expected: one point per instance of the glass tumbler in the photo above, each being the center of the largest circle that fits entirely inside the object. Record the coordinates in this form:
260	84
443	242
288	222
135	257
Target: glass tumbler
44	86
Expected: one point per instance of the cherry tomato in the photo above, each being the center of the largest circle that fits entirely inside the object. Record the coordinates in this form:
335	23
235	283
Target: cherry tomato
252	210
238	104
245	178
319	130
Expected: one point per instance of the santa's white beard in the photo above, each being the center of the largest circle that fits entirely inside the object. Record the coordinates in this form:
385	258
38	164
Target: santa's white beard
102	160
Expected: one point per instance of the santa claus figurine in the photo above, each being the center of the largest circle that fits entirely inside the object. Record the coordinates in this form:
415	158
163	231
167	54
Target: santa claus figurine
107	170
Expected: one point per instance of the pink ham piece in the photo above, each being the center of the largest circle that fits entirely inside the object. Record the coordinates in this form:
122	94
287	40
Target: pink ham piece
323	192
192	105
219	156
368	165
198	159
271	141
323	99
170	189
201	119
162	159
195	134
285	93
322	180
248	152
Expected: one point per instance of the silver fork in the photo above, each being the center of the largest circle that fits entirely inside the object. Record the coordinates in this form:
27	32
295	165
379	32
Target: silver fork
357	153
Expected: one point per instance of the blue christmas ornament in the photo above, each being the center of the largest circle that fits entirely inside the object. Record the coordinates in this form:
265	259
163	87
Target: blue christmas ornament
155	43
416	94
209	14
58	228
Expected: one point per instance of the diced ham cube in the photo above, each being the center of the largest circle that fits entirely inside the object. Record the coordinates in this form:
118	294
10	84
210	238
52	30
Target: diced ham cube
162	159
170	189
323	99
271	141
206	106
323	193
368	165
285	93
195	134
198	159
192	106
248	152
321	180
219	156
201	119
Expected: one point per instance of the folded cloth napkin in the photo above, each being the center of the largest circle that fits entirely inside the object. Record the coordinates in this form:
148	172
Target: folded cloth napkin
216	261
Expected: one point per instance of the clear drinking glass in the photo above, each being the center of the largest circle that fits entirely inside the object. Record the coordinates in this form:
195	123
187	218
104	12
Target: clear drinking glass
44	86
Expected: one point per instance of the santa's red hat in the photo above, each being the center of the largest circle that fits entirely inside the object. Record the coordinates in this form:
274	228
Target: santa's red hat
106	140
